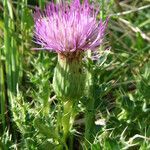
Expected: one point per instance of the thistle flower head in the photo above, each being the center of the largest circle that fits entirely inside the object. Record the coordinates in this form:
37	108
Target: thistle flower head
65	28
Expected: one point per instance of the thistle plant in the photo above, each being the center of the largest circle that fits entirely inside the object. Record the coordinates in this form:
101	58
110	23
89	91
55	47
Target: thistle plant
69	30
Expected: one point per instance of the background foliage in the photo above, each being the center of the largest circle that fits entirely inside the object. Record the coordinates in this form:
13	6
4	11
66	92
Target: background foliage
29	110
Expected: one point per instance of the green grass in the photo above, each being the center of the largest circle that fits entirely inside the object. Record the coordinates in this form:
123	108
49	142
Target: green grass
30	113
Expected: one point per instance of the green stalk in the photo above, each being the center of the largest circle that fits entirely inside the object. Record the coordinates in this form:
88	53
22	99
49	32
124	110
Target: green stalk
90	114
10	51
7	55
67	119
11	59
7	44
2	94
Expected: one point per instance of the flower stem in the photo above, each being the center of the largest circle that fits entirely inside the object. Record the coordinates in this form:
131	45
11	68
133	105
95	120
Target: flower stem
67	119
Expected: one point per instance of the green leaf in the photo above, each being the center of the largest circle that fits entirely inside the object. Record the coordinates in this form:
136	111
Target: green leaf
45	130
111	144
96	146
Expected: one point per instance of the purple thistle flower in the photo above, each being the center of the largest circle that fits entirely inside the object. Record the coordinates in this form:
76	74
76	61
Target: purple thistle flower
62	28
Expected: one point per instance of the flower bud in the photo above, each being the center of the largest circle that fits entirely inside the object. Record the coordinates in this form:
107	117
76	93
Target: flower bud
69	78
